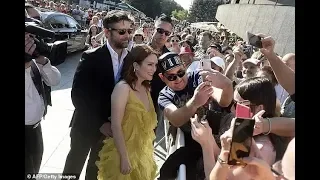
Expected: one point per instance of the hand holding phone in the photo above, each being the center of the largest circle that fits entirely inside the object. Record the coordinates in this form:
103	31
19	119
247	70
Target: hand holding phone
241	141
254	40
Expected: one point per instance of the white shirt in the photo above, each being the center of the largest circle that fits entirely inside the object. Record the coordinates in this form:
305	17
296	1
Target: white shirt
116	62
34	104
100	23
281	93
193	66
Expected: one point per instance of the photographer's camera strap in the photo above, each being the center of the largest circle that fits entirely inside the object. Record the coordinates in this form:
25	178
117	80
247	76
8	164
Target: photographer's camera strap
37	80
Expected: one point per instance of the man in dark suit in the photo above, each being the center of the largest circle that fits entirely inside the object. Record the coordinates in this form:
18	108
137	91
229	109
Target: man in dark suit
96	75
162	30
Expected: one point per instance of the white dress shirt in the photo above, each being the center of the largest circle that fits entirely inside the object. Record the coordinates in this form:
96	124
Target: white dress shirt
34	104
116	62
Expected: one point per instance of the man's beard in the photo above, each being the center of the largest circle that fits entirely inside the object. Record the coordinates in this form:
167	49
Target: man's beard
120	44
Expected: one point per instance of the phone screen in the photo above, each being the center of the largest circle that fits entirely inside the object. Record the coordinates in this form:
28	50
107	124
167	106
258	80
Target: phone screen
254	40
241	141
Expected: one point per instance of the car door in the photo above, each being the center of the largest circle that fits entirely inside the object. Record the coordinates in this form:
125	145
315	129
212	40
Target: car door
62	30
78	35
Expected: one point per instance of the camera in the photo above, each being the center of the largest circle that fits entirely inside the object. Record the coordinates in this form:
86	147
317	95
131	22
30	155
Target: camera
42	48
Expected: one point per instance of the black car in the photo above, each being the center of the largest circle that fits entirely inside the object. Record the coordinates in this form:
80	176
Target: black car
66	28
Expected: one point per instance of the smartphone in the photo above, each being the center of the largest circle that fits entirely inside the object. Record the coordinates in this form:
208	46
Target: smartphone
243	111
205	62
241	141
254	40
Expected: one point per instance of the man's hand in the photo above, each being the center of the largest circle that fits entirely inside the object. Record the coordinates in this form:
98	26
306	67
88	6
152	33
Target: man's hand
42	60
268	44
215	78
238	53
30	46
201	94
105	129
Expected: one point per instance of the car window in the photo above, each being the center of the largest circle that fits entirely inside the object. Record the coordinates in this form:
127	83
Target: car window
73	23
59	22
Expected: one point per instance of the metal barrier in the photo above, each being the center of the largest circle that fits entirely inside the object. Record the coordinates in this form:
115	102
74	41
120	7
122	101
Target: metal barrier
179	142
182	172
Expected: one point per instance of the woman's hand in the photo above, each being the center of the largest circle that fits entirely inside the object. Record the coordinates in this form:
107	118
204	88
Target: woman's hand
259	124
125	166
201	132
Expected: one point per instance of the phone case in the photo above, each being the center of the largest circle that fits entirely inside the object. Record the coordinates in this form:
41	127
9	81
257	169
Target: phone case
241	140
243	111
205	64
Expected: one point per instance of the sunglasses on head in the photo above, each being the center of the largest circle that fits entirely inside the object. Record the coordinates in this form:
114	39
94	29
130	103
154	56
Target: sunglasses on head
122	31
161	31
173	77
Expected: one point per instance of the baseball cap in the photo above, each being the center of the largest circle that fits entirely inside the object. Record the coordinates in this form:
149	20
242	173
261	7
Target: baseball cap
185	50
252	60
219	62
168	61
138	32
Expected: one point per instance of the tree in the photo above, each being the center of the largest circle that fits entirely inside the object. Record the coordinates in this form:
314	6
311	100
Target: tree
204	10
153	8
167	6
150	8
180	14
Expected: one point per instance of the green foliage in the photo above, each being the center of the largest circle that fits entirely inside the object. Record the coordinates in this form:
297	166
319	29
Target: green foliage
203	10
180	14
153	8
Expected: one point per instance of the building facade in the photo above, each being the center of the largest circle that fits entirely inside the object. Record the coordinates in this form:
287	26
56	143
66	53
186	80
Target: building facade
271	17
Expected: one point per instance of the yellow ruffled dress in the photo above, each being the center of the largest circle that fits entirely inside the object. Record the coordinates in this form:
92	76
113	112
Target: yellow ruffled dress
138	130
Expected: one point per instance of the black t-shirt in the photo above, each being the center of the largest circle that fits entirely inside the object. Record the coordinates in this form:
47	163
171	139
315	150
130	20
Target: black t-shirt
157	84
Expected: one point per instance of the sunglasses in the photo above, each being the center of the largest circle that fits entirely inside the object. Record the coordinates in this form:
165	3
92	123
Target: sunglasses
161	31
175	40
173	77
121	31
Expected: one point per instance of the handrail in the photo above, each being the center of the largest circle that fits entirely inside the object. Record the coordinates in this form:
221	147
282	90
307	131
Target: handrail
182	172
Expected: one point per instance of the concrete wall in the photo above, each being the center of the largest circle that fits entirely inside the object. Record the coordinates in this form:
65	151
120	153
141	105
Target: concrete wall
280	2
277	21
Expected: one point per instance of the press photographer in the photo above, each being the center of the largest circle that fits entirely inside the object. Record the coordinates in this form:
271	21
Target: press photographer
39	74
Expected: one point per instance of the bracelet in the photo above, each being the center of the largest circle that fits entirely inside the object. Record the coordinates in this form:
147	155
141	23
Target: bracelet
222	162
269	127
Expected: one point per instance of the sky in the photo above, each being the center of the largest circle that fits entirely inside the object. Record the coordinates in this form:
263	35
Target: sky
184	3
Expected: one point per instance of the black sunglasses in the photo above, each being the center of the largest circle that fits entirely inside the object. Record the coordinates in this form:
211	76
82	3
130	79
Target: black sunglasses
173	77
121	31
161	31
175	40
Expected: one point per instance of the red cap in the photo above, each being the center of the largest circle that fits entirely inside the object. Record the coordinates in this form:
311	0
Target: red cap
186	50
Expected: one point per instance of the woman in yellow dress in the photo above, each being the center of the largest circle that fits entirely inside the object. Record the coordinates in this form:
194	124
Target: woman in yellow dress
129	154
